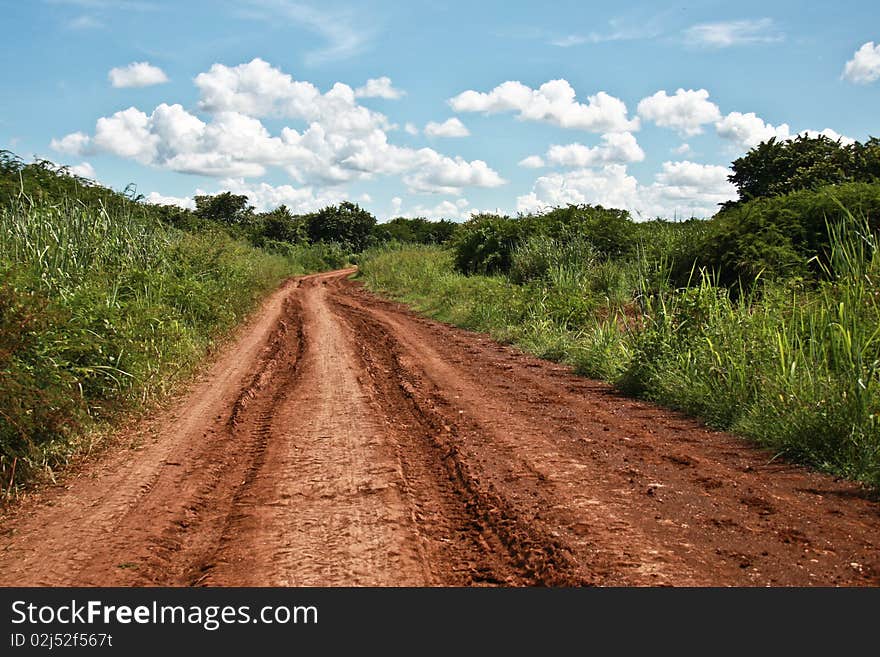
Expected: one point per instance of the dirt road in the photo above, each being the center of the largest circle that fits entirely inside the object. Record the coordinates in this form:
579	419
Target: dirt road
342	440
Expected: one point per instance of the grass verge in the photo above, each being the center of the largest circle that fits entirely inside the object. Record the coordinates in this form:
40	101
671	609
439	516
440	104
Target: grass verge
103	312
794	366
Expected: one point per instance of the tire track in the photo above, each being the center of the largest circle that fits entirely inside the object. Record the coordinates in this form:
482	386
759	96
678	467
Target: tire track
343	440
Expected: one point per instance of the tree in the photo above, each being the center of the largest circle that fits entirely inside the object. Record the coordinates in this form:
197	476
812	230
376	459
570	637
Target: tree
773	168
346	223
227	208
282	226
416	230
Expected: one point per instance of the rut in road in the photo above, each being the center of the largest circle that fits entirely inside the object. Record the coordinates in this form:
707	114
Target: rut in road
342	440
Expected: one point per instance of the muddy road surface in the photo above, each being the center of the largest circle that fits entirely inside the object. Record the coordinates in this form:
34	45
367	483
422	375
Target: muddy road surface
342	440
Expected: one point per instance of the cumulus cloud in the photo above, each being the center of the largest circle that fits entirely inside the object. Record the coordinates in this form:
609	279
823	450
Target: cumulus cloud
83	170
680	189
137	74
260	90
447	209
532	162
438	174
748	130
379	88
181	201
683	149
831	134
698	179
449	128
610	186
553	102
685	112
411	129
76	143
733	33
864	67
342	141
264	196
615	147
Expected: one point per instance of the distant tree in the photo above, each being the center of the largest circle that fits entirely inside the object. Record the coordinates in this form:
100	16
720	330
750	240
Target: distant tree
486	243
226	208
610	231
281	225
416	230
346	223
773	168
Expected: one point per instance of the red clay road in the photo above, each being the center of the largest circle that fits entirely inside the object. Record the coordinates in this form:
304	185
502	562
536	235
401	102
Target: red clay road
343	440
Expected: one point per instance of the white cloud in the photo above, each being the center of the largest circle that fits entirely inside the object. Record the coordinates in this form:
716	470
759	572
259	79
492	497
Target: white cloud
379	88
83	170
833	135
264	196
702	178
681	189
259	89
610	186
342	142
685	112
137	74
457	209
686	189
411	129
616	147
396	204
553	102
127	134
617	32
683	149
449	128
748	130
864	67
438	174
76	143
733	33
181	201
532	162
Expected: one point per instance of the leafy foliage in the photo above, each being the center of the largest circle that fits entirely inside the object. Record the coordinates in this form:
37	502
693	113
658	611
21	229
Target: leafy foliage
794	367
225	208
415	231
105	302
346	223
773	167
486	242
778	238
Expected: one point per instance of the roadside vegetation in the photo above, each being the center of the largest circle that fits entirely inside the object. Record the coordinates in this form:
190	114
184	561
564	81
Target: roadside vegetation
763	320
106	302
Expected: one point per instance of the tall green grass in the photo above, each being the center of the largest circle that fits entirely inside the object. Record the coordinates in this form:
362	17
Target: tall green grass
102	311
795	366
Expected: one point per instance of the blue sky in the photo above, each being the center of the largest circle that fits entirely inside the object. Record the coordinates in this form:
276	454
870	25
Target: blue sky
433	108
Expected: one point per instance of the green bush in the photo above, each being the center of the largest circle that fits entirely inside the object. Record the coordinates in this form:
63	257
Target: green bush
778	238
794	365
103	310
